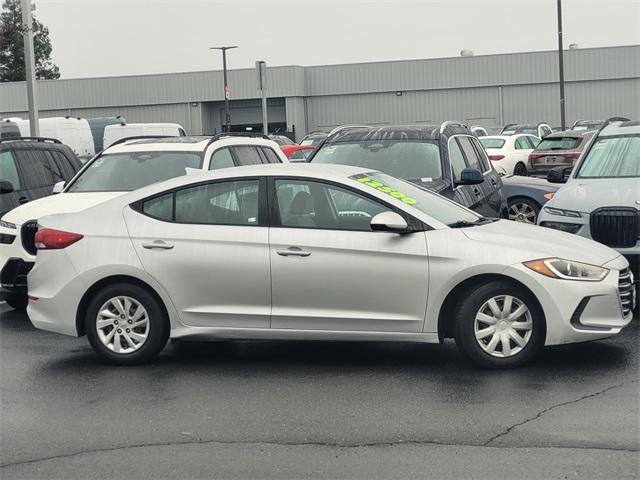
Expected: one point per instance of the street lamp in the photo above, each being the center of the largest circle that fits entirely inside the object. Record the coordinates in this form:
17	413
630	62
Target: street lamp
561	66
227	116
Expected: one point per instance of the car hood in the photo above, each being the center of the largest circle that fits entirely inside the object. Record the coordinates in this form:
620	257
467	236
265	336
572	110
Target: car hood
586	195
60	203
540	242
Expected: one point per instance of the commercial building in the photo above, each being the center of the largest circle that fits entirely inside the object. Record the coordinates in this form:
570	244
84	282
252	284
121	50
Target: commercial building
490	90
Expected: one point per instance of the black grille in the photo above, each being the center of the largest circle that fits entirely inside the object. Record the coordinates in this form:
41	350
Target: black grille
27	234
617	227
625	290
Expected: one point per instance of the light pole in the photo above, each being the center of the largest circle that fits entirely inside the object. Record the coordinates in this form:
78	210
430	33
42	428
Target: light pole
29	67
561	66
227	116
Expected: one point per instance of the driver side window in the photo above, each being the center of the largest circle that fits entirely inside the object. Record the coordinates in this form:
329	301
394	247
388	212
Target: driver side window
303	204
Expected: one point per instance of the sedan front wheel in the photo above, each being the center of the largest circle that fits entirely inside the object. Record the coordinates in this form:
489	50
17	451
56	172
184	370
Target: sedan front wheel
499	325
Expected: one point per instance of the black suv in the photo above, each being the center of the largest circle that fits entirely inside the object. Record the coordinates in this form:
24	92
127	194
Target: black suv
447	159
30	167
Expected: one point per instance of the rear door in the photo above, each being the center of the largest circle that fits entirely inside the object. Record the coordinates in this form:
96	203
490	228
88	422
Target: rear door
208	246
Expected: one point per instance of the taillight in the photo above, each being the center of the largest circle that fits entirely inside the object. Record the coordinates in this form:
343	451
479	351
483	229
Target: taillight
50	239
571	155
495	158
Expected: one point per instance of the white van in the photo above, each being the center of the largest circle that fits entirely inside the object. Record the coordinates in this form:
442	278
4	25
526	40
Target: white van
113	133
72	131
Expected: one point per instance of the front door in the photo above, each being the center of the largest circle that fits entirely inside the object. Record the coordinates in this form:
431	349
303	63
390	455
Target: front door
208	246
331	272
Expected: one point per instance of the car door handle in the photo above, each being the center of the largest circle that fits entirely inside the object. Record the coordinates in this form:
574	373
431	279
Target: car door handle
476	191
293	252
159	244
23	200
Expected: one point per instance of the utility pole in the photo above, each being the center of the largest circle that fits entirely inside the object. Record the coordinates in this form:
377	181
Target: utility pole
561	66
30	67
261	70
227	115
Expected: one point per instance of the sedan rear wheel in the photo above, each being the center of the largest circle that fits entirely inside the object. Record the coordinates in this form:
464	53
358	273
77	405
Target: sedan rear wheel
499	325
126	324
520	169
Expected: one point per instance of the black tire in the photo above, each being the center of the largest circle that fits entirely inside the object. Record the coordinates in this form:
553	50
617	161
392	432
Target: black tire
158	333
466	313
520	169
18	303
521	202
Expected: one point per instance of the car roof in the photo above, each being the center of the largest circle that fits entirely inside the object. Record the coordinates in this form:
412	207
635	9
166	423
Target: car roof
631	127
183	144
569	133
390	132
508	137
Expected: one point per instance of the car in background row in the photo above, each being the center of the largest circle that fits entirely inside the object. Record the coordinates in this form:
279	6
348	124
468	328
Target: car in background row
314	139
526	196
9	129
601	199
447	159
207	256
540	130
118	131
478	131
29	168
98	125
589	125
281	139
125	166
509	153
297	153
561	149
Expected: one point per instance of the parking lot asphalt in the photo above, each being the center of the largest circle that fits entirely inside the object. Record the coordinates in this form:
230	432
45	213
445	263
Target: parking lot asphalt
315	409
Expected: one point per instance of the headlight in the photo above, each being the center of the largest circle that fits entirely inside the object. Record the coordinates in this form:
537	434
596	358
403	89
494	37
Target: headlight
9	225
567	269
562	213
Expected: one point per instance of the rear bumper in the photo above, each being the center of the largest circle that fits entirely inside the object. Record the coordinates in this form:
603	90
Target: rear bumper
13	278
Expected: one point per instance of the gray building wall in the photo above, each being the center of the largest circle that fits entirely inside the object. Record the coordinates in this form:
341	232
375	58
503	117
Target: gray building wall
488	90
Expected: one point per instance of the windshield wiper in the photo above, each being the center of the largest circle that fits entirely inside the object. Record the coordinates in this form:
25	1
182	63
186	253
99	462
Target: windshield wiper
467	223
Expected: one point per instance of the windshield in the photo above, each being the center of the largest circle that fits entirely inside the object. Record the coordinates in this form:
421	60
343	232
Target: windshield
123	172
432	204
409	160
612	157
559	143
491	142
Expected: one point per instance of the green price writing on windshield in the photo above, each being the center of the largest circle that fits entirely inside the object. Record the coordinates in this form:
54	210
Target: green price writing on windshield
386	189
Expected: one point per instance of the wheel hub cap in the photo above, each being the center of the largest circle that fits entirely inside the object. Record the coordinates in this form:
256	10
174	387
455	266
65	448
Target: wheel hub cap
503	326
122	324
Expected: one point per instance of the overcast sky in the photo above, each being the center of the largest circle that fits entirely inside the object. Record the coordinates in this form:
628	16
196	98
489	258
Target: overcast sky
125	37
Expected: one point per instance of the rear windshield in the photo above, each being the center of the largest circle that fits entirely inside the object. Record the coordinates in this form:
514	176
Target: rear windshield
409	160
122	172
560	143
491	142
612	157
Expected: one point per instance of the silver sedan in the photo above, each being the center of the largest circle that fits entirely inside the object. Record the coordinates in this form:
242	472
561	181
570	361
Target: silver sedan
321	252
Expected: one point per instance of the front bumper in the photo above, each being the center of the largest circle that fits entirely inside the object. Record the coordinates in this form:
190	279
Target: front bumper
13	278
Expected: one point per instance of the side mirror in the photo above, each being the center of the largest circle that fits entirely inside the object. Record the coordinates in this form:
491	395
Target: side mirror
6	187
470	176
388	222
559	174
59	187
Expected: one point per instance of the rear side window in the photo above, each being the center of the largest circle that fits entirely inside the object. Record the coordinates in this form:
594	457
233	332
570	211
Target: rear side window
270	155
221	159
8	170
522	144
247	155
560	143
159	207
65	166
37	168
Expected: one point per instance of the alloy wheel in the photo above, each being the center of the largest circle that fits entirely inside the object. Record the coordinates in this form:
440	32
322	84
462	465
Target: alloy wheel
503	326
522	212
122	324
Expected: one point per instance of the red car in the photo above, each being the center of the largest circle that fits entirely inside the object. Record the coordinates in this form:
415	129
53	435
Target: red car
297	153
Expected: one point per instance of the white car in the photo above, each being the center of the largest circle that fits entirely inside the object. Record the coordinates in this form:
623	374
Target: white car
601	198
509	153
323	252
123	167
